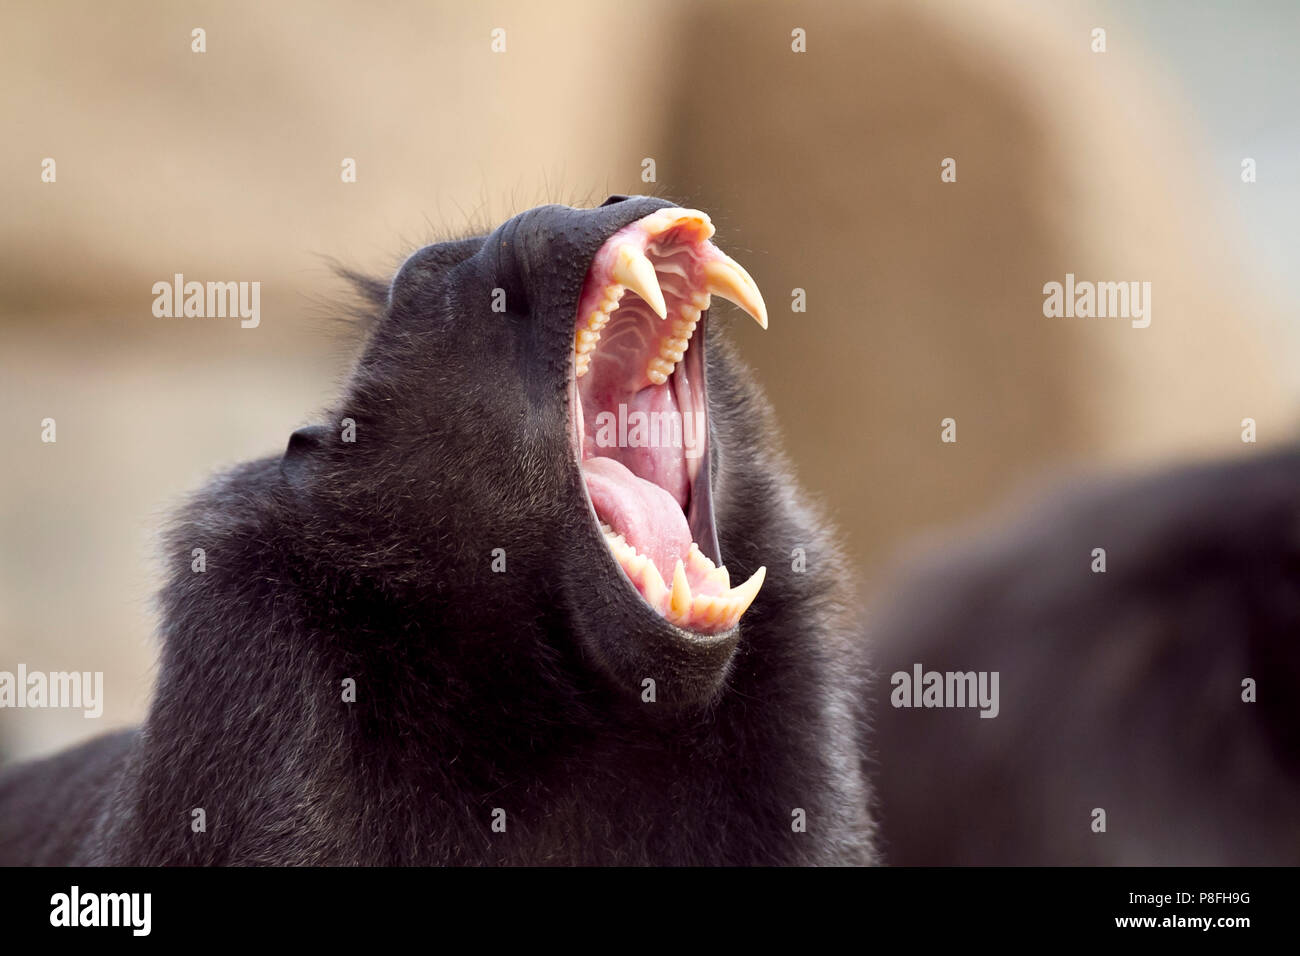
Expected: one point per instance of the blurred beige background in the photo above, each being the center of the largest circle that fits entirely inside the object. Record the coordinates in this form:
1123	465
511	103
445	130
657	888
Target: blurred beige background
820	169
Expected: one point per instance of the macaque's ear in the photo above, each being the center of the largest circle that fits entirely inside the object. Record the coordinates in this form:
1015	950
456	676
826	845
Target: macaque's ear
303	445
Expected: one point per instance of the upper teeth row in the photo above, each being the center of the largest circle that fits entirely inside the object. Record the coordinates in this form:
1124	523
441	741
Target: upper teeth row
672	348
588	333
632	270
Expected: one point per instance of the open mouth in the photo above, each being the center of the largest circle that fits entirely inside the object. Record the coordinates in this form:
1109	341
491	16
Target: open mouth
640	414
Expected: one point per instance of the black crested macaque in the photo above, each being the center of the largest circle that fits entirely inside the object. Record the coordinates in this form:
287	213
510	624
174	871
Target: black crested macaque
479	614
1162	690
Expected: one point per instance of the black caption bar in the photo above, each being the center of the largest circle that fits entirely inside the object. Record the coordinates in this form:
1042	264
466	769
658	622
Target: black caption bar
135	906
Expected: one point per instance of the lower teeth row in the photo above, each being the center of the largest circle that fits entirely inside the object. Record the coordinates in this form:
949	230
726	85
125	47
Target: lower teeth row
678	604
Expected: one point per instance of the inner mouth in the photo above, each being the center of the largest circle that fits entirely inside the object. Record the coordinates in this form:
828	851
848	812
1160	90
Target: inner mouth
640	414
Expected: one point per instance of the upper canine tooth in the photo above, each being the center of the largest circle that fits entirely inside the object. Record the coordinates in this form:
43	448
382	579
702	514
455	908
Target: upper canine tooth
726	278
632	268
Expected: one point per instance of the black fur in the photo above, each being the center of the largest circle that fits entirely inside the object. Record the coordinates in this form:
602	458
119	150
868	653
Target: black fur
475	690
1120	691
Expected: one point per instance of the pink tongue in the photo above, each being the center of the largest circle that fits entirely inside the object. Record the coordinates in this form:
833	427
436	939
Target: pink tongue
647	516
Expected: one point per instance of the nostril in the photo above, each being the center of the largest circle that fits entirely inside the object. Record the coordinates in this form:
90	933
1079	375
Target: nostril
615	200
